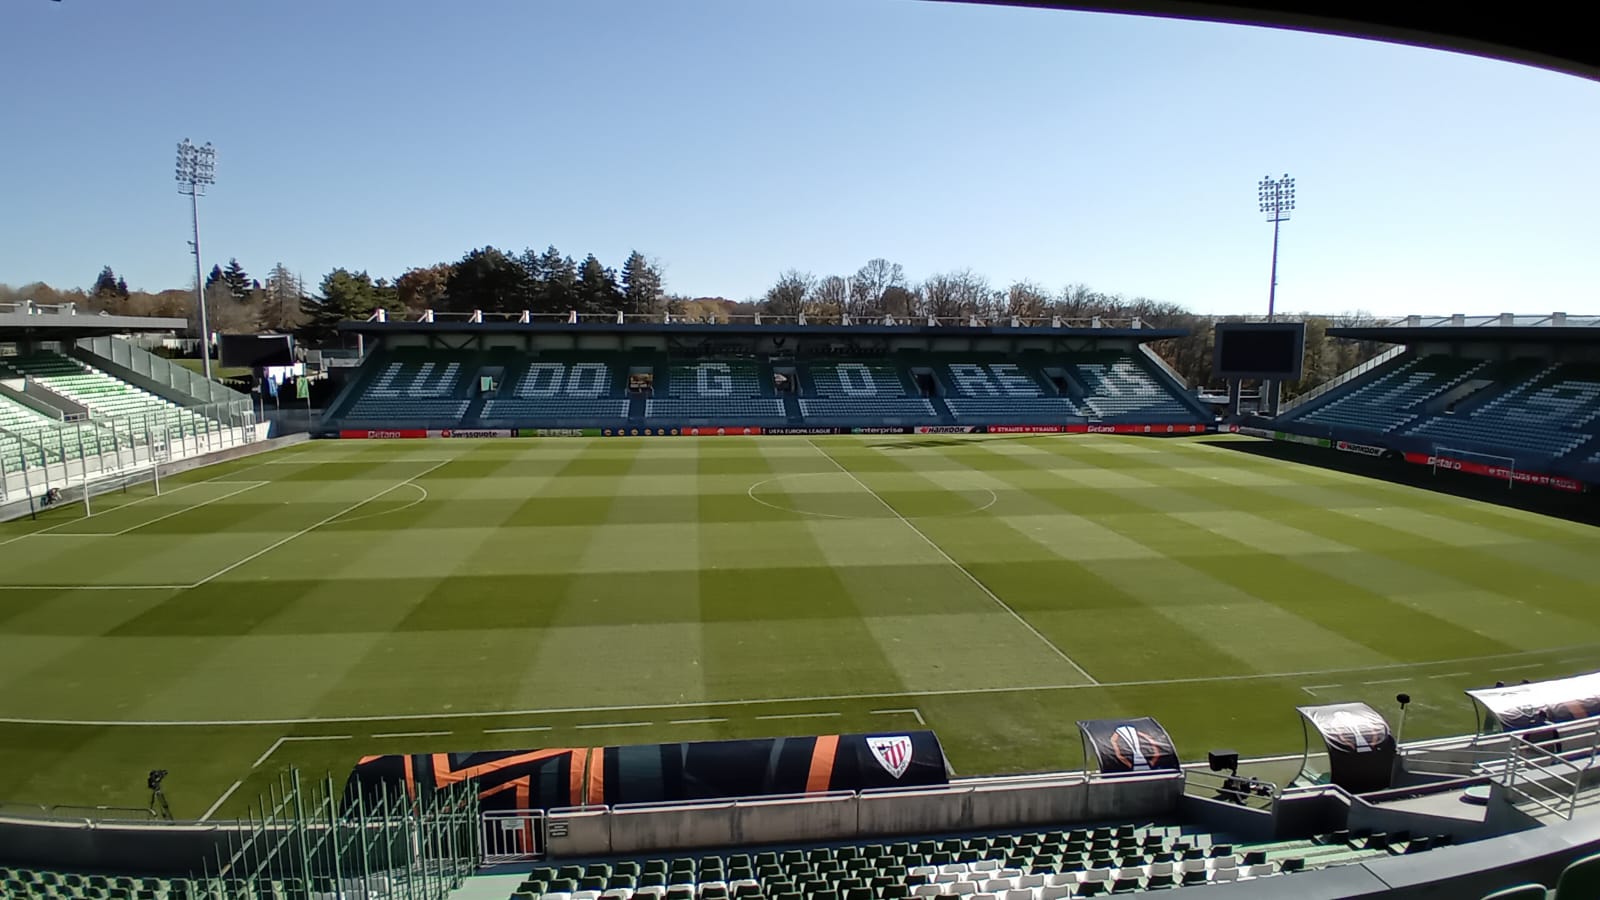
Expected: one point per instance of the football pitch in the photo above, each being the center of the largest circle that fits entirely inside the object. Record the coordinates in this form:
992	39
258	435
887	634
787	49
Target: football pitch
337	599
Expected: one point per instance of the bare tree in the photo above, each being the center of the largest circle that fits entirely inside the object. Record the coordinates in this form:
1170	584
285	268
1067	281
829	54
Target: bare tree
788	297
1027	299
830	296
870	285
280	300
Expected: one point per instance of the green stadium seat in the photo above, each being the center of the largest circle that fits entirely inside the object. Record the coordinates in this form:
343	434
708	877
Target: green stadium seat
1519	892
1580	879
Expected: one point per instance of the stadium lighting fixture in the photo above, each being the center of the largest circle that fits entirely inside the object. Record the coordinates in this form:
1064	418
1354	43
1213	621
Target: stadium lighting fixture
1277	202
197	167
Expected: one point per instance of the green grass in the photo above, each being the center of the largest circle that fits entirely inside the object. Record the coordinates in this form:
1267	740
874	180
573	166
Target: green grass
354	590
217	371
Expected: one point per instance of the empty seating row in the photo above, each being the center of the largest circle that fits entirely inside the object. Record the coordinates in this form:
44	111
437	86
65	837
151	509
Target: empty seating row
867	408
991	380
1116	386
715	379
731	408
1540	416
857	380
554	408
103	395
1395	398
1037	866
1013	409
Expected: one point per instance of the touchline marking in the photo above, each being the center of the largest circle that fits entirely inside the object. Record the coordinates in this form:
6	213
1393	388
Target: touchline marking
917	713
412	734
1388	681
822	715
760	701
696	721
615	725
1520	668
220	800
959	567
252	486
518	729
1451	675
304	531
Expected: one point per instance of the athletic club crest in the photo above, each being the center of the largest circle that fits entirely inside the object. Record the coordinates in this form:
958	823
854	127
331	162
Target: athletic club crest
893	753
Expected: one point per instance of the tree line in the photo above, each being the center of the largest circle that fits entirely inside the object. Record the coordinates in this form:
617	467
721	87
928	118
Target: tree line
549	282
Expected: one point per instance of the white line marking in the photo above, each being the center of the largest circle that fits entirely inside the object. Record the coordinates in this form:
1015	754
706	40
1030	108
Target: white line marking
388	512
519	728
960	568
1388	681
70	521
1317	687
302	737
412	734
1520	668
1451	675
911	710
252	486
614	725
95	587
750	492
220	800
824	715
759	701
696	721
304	531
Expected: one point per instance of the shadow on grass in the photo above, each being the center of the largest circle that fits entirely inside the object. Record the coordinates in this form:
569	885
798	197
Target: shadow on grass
1532	498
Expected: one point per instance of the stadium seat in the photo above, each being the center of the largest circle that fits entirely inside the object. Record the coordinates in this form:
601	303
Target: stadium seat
1521	892
1394	398
1580	879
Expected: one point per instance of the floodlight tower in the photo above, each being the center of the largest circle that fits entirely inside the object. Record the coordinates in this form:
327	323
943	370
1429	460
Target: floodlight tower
197	167
1277	201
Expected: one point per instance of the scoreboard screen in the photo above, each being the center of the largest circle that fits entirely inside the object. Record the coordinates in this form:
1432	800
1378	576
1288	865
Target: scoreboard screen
1260	350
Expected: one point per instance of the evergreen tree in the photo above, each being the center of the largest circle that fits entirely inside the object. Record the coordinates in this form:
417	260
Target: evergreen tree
122	288
214	277
641	285
282	301
597	288
557	291
346	296
487	279
105	286
237	281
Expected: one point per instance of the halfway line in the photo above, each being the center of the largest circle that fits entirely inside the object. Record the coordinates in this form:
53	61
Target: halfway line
959	567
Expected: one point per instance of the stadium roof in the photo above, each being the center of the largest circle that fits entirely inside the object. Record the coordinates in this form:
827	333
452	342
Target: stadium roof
750	328
1550	36
65	320
1554	328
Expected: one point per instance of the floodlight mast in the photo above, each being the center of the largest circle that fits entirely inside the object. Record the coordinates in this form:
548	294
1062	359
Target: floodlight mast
197	167
1277	201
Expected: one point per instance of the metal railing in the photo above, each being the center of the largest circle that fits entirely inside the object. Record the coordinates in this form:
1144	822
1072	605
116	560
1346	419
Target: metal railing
512	835
974	320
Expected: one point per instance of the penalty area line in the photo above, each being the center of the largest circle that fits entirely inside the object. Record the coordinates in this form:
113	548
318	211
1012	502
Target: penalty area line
772	701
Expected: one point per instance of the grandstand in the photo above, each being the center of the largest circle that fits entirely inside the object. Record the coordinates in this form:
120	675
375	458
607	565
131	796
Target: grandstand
1523	391
79	405
512	373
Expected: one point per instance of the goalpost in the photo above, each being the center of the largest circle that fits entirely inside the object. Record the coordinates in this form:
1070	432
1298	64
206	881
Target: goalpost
1495	465
69	463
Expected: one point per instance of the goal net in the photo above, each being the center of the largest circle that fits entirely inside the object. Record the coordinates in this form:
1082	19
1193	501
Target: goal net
1476	462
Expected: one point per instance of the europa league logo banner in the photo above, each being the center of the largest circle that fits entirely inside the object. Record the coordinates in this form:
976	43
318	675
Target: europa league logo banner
1361	749
1129	745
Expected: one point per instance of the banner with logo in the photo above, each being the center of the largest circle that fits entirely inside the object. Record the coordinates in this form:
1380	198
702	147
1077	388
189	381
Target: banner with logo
1539	479
1361	750
1025	429
882	429
949	429
1135	428
1250	430
1360	449
554	432
470	433
1518	706
377	434
1122	746
666	773
813	429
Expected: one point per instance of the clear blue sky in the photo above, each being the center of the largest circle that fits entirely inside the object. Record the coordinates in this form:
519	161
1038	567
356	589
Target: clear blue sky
733	139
